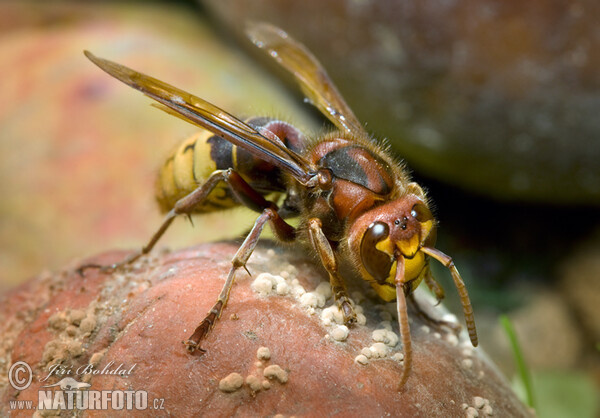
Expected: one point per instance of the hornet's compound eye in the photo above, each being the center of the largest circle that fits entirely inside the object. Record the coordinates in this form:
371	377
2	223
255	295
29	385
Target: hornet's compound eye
421	213
424	216
376	262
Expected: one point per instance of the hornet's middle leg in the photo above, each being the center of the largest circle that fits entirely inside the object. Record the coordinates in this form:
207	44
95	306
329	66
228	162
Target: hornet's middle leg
251	198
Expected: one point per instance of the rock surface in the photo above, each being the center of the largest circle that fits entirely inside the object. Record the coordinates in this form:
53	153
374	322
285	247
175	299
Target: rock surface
271	353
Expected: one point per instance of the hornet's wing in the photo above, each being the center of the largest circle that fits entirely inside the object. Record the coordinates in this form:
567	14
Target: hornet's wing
202	113
309	73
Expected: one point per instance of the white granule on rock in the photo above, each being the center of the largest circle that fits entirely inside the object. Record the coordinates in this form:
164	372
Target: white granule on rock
361	359
483	404
467	363
398	357
231	383
324	288
282	289
297	287
425	329
379	350
275	372
385	324
385	336
88	324
74	348
332	315
308	300
481	408
478	402
471	412
452	339
76	316
312	300
340	333
254	383
96	357
263	353
366	352
263	284
467	351
361	319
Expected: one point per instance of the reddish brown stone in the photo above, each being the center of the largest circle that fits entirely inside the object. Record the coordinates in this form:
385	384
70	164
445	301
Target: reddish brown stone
139	318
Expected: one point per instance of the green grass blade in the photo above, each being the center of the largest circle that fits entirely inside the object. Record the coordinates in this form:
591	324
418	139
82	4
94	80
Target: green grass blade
522	368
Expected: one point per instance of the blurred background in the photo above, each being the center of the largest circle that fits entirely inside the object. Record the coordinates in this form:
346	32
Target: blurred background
493	104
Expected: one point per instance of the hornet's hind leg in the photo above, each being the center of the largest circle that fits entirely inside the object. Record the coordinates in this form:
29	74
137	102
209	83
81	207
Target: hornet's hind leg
246	195
184	206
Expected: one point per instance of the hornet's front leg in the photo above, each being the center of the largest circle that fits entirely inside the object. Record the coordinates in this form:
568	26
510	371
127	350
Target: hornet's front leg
321	244
403	324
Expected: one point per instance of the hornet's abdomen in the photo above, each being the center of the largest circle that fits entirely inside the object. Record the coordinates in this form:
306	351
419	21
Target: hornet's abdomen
196	158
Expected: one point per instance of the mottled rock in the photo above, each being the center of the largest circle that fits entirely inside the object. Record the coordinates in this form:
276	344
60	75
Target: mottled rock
143	314
580	283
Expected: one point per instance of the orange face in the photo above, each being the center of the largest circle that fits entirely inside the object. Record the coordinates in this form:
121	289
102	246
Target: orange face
379	237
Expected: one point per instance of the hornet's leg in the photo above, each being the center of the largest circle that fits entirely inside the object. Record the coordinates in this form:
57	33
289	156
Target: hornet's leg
434	286
460	286
184	206
321	244
438	291
254	200
403	321
240	259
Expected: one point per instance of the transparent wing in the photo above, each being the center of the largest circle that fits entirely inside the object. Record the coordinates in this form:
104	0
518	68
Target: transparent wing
202	113
309	73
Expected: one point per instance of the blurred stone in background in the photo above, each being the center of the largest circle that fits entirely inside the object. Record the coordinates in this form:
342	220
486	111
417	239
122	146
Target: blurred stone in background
79	150
499	97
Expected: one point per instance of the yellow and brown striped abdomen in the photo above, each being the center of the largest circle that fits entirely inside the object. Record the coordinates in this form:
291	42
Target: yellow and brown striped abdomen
196	158
187	168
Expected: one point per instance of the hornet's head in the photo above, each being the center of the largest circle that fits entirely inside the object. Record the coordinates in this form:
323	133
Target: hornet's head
383	235
389	245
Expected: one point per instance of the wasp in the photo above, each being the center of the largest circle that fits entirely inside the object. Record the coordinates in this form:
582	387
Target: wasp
356	204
